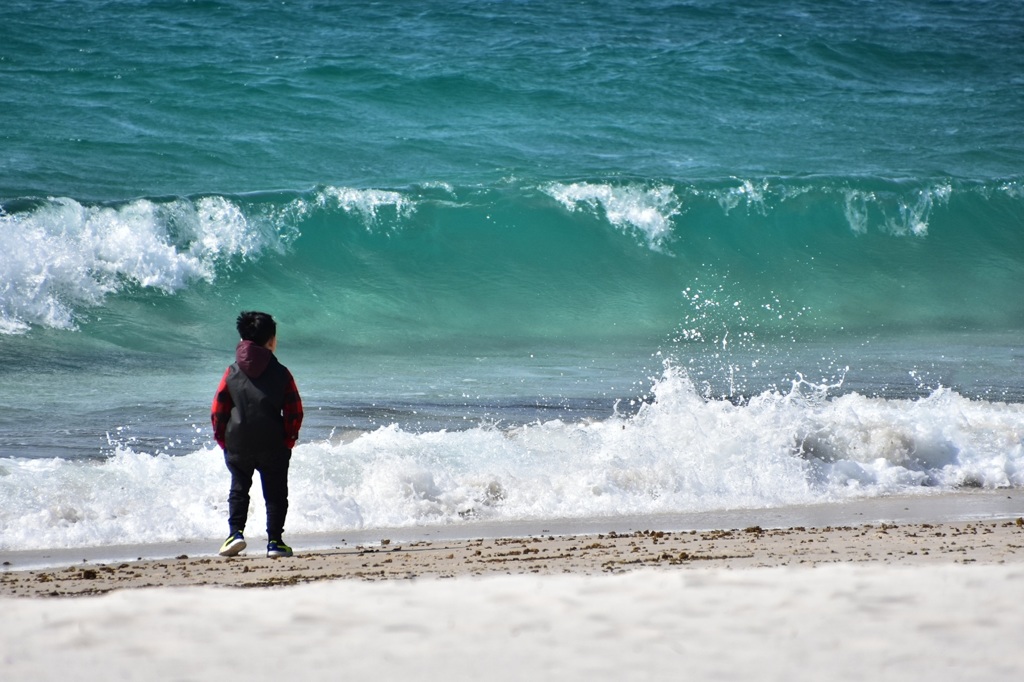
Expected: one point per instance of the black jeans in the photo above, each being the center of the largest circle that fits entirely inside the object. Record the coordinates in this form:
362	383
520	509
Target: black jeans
273	470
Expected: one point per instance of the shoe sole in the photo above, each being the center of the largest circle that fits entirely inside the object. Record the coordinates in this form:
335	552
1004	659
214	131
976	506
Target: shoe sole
232	549
278	555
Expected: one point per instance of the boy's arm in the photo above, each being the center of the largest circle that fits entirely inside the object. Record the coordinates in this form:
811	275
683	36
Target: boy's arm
292	413
220	412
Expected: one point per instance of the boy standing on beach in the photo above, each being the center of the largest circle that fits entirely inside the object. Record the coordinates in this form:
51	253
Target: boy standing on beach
256	417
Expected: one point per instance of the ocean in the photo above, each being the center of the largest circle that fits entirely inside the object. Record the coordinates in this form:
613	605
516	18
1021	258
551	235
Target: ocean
529	260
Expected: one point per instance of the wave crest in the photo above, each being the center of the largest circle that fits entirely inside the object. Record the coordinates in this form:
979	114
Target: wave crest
63	255
647	211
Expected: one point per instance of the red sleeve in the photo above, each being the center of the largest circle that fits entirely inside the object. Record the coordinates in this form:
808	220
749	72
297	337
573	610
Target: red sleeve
292	413
220	412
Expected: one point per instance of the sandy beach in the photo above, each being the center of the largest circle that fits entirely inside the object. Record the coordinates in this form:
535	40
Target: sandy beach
882	601
917	545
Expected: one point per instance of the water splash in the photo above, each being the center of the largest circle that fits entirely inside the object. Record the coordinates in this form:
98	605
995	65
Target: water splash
678	452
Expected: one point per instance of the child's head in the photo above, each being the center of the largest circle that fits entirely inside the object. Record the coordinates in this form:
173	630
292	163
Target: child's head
256	327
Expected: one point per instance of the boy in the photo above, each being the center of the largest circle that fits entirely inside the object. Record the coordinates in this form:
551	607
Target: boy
256	416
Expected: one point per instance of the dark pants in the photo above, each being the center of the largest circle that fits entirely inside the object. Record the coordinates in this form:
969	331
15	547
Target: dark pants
273	470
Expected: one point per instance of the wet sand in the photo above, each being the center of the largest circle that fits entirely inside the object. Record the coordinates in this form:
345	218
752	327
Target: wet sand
975	542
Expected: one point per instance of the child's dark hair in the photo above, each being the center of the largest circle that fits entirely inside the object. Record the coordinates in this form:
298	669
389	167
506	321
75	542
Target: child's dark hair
256	327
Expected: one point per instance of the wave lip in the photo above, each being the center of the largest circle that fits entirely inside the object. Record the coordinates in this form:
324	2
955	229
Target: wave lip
843	240
366	202
648	211
64	255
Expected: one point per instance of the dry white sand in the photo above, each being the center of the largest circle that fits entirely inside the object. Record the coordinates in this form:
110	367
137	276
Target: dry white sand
906	599
836	622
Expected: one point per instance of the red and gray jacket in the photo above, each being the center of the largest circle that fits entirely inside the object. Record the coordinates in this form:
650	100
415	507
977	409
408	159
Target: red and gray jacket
257	408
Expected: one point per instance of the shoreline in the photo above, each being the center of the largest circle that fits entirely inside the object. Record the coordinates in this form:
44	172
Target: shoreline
941	507
981	527
990	542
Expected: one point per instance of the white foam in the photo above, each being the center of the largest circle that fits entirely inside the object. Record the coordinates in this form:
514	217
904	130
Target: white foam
65	256
1013	189
914	215
366	202
679	453
649	211
751	195
643	209
896	215
857	210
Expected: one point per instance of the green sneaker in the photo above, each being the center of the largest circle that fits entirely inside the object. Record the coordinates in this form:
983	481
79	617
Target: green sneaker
277	548
233	545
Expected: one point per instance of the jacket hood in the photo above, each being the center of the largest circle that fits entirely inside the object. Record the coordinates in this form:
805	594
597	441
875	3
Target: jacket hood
252	359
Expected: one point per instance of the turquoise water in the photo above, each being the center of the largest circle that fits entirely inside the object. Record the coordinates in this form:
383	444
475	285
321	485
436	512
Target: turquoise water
712	274
115	100
470	218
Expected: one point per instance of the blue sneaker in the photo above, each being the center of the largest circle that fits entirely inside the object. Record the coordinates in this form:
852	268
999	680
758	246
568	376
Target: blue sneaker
277	548
233	545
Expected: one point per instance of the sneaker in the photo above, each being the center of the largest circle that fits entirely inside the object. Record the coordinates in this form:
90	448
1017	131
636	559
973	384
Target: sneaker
233	545
277	548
